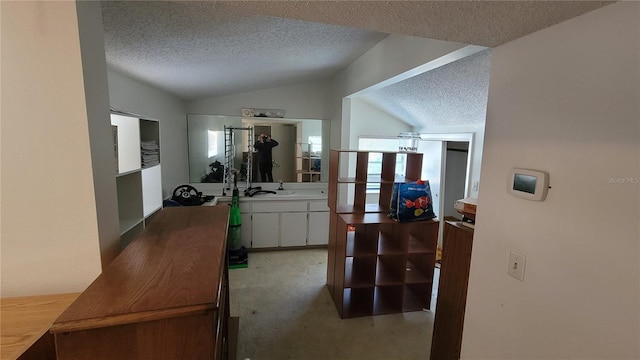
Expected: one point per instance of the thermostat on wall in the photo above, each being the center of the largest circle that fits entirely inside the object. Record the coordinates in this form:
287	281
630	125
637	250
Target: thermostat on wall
528	184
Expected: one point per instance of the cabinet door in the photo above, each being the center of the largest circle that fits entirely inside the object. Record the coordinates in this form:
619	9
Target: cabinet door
293	229
318	228
266	228
151	189
245	230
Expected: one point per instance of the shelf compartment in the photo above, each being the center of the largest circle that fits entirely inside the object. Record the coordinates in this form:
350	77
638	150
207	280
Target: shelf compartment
387	300
307	162
130	208
368	208
357	302
390	270
374	179
360	272
390	240
353	197
366	218
346	160
362	241
419	268
388	171
413	166
423	236
417	297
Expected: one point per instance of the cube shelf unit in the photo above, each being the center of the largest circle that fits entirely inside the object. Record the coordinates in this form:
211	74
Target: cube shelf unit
306	169
376	265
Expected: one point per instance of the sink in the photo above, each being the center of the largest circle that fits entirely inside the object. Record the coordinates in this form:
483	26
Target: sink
284	192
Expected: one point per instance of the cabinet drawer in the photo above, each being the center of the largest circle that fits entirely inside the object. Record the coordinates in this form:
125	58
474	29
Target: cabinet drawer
279	206
318	205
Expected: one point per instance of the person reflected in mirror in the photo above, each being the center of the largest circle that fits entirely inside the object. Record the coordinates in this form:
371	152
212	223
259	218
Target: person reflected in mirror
265	159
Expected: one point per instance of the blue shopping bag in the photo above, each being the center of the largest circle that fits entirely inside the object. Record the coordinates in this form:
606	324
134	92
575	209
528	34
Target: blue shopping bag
411	202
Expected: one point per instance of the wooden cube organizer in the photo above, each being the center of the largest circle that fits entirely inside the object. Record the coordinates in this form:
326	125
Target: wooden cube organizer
376	265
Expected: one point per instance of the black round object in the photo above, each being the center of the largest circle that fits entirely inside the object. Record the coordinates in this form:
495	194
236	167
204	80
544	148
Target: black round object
187	195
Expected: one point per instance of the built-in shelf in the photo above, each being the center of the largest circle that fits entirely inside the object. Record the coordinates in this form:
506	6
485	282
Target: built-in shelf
138	174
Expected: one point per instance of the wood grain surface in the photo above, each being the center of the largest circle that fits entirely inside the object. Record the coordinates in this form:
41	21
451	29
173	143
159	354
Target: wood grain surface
448	324
26	319
173	268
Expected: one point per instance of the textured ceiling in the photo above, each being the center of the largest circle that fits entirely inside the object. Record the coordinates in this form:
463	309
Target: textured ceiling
451	95
481	22
200	49
194	50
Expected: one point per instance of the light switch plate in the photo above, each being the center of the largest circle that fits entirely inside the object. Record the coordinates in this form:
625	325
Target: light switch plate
516	265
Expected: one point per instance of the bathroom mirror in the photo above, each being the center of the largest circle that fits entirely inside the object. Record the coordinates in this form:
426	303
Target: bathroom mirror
299	156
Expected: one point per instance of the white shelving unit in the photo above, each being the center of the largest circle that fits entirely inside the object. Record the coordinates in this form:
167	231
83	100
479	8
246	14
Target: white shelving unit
307	163
138	181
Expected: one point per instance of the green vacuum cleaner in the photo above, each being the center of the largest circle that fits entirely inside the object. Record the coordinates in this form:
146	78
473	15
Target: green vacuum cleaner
238	257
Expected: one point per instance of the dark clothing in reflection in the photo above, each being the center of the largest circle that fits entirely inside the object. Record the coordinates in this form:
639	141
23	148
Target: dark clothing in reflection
265	159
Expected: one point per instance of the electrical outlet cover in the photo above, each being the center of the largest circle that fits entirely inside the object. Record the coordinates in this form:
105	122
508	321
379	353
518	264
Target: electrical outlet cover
516	265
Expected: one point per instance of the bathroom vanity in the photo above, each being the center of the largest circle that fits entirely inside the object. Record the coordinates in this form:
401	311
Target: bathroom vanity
289	218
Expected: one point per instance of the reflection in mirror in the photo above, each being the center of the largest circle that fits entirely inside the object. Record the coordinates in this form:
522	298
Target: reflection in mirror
297	158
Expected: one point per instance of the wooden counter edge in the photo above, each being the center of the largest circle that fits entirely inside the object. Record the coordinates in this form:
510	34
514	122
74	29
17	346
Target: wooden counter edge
122	319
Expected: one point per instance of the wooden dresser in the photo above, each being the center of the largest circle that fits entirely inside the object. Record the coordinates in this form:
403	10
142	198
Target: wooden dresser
164	297
452	291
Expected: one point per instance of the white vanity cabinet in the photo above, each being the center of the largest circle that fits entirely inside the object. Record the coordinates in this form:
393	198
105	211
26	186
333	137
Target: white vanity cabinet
282	223
318	223
265	229
245	229
293	229
279	224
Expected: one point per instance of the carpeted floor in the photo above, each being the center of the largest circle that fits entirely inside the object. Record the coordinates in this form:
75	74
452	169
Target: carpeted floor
286	312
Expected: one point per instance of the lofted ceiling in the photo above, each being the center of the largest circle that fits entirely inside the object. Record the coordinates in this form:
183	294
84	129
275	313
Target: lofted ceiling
451	95
201	49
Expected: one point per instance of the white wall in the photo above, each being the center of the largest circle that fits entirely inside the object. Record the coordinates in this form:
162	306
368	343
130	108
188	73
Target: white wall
132	96
367	120
300	101
389	60
49	224
94	68
563	100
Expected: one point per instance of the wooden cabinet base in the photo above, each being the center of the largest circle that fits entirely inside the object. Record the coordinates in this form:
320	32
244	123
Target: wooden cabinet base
187	337
452	291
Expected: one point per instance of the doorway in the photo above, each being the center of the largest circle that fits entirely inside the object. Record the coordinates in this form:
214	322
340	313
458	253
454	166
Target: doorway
456	159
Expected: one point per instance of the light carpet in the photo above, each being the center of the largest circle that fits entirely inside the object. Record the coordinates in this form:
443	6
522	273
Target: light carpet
286	312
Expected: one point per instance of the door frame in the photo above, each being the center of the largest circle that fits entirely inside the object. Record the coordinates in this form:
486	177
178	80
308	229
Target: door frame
444	138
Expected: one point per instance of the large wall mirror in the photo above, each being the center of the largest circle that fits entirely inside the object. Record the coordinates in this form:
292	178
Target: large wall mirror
301	154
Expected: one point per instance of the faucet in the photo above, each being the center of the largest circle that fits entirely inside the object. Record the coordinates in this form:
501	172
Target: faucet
281	187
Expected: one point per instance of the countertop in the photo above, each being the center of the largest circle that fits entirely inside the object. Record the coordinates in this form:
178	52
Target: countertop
280	195
171	269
